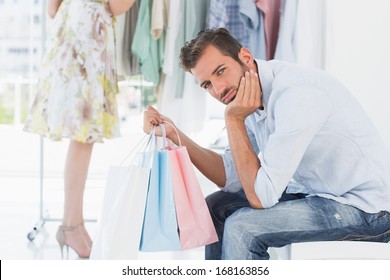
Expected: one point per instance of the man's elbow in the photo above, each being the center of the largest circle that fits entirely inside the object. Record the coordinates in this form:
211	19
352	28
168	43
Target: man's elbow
252	197
255	203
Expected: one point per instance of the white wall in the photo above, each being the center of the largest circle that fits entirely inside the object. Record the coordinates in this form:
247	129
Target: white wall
361	55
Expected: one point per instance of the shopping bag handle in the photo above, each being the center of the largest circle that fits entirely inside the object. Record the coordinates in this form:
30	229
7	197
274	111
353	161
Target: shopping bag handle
151	139
163	135
174	128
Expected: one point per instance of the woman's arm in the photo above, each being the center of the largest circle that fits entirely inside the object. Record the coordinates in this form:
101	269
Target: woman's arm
118	7
52	7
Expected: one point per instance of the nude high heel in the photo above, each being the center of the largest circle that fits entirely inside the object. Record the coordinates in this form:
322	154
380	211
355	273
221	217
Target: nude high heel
60	236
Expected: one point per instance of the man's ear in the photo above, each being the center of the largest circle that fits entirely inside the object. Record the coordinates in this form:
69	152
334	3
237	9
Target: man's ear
246	57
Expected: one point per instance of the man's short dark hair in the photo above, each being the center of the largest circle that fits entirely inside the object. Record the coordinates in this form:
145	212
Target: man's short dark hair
220	38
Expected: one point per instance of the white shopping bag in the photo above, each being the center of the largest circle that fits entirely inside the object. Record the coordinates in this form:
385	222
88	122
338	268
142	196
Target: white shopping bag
120	224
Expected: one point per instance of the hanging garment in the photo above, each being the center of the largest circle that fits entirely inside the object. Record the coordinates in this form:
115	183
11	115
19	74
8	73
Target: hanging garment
226	13
304	33
253	21
271	14
174	24
285	45
182	98
148	51
311	33
130	63
159	20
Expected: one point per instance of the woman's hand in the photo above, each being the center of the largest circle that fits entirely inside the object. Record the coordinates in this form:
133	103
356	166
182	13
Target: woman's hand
118	7
52	7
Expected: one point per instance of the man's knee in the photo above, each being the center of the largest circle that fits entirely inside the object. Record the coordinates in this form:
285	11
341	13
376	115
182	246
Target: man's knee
214	201
233	226
240	241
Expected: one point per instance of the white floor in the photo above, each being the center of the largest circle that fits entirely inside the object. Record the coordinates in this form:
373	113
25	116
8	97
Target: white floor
20	192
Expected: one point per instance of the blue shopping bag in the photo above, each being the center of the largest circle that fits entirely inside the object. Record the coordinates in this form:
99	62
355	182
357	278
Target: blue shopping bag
160	230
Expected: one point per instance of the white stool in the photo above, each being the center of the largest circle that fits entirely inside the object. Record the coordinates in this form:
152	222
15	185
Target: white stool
333	250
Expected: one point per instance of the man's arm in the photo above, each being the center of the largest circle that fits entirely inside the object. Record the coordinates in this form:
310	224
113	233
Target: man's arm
247	100
245	160
208	162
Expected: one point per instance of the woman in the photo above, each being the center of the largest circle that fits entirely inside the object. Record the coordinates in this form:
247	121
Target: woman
76	98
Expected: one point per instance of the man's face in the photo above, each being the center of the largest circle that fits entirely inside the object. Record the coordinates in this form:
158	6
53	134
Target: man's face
219	74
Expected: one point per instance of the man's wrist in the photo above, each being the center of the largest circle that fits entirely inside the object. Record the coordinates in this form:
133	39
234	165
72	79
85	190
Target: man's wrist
235	125
234	120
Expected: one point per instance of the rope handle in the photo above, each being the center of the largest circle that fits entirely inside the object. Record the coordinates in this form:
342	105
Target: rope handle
174	128
151	139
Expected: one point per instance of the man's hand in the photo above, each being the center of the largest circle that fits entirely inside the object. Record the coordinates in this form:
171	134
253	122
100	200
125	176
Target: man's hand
247	164
153	118
208	162
247	100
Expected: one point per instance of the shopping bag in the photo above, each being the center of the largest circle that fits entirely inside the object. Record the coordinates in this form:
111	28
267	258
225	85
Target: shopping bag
160	230
120	224
196	227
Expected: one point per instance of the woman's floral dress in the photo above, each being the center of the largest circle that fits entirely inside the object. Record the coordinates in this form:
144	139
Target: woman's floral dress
77	88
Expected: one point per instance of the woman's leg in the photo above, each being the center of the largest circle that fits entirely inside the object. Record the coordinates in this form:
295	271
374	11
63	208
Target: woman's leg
75	176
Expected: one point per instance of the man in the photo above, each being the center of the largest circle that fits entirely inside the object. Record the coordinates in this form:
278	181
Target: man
304	161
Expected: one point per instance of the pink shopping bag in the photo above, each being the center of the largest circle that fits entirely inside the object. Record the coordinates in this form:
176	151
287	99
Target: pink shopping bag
196	227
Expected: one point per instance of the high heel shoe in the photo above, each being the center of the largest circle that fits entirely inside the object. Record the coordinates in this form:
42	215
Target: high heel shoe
62	241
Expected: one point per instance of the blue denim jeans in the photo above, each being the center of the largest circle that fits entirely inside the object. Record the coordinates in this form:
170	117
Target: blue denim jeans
246	233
